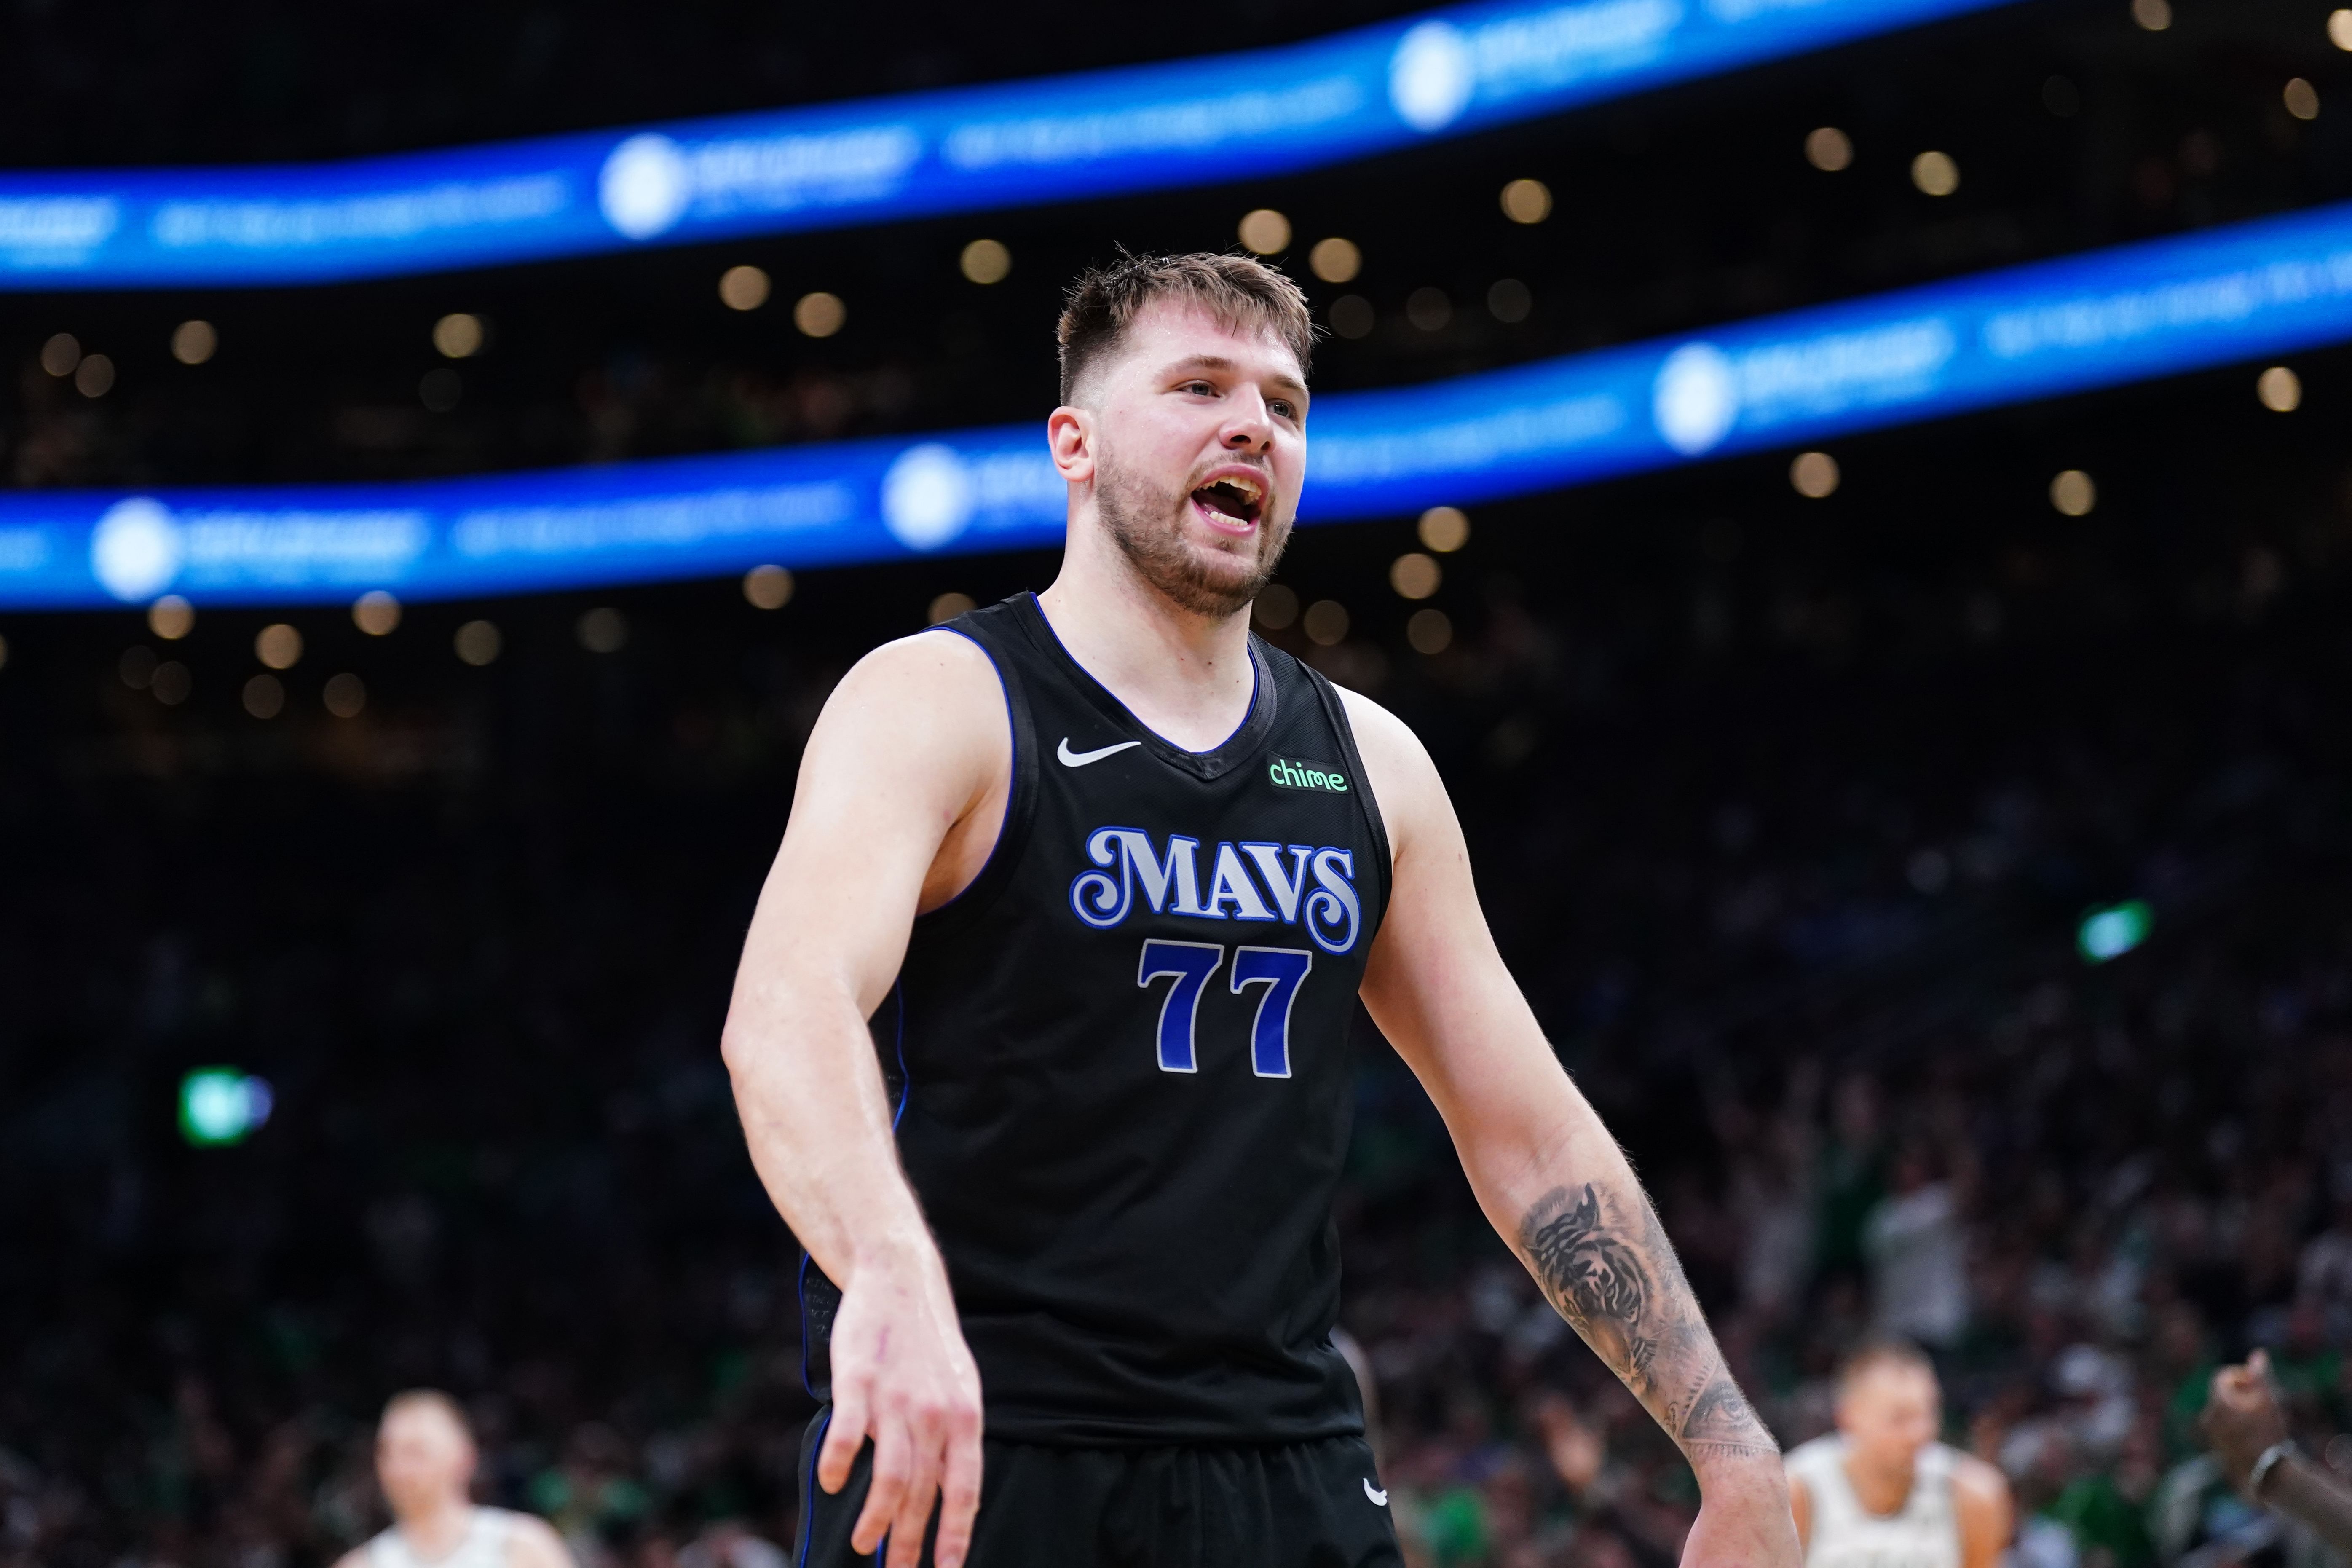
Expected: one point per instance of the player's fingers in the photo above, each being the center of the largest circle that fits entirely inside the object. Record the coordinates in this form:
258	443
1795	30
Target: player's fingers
914	1515
2258	1365
843	1435
958	1497
893	1462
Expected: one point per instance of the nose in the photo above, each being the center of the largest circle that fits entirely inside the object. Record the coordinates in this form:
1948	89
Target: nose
1249	427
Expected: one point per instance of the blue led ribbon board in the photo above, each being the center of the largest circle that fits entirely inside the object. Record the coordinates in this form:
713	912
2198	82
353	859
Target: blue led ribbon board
1145	128
2092	320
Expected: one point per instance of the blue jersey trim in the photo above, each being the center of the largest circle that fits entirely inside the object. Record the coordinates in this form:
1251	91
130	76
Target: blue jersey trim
800	1289
905	1082
808	1489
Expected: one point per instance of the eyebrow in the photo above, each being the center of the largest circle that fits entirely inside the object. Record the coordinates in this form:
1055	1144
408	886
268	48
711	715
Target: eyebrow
1219	361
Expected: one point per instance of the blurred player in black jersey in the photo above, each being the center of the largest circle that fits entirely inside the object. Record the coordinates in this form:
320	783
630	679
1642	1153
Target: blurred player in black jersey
1040	1031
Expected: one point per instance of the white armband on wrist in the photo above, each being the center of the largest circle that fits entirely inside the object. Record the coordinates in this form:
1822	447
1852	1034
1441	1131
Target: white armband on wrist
2265	1463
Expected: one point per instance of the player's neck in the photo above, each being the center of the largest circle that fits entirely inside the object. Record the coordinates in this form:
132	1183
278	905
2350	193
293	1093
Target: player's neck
433	1533
1186	677
1882	1488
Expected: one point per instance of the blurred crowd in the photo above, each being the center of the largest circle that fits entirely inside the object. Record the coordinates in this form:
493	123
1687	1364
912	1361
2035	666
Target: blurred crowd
1798	903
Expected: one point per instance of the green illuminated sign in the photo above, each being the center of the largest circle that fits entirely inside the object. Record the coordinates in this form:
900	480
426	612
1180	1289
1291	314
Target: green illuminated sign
221	1106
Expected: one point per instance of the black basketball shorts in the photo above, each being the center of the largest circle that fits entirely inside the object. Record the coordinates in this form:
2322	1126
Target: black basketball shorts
1317	1504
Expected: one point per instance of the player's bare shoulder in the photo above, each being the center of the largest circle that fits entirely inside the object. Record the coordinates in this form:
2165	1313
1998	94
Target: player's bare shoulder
1403	779
531	1543
935	676
1977	1484
932	702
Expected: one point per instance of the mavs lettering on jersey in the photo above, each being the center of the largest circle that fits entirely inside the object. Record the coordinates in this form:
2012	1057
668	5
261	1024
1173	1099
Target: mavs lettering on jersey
1170	881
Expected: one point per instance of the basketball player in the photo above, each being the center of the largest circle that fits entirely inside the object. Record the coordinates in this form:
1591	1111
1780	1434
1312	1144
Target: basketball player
1880	1491
424	1461
1097	877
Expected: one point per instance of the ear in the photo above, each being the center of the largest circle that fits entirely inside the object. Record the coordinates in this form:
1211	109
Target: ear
1070	433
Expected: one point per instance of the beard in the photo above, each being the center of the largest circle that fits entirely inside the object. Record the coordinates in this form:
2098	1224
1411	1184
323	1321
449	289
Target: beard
1147	521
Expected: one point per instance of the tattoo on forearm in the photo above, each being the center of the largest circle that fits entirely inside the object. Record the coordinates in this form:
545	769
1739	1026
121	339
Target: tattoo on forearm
1614	1276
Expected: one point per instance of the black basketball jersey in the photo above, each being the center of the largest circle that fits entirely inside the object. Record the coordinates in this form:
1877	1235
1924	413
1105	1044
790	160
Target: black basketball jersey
1120	1062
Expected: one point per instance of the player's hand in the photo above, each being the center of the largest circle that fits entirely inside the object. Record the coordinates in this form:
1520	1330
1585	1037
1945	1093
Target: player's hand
1744	1519
903	1376
2243	1416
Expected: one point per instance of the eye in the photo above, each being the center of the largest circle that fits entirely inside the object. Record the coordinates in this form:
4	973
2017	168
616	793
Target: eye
1283	408
1200	388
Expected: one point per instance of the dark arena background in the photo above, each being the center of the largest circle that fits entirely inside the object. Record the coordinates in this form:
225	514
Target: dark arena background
1928	840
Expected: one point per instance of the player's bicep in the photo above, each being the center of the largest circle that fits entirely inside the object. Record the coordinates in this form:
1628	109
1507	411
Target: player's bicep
901	754
1436	982
1980	1499
535	1544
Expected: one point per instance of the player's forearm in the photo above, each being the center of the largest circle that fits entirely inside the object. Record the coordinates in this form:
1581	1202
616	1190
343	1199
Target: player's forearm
818	1126
1597	1250
2303	1490
1563	1194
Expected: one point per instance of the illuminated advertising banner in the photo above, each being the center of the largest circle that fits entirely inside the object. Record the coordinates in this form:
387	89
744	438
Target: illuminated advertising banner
1144	128
2092	320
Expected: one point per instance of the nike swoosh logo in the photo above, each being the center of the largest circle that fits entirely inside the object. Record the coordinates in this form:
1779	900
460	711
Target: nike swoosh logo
1380	1499
1071	759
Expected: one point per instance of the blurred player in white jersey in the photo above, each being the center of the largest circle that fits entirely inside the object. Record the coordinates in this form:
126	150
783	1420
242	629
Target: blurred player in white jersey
1881	1491
424	1461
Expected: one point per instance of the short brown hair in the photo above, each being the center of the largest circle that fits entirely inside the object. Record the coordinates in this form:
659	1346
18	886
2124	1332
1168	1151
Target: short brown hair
1238	290
430	1399
1900	1354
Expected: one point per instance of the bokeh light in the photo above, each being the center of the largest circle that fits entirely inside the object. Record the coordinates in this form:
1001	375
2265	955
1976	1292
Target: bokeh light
1937	173
1828	149
477	643
264	696
1265	231
458	335
1527	201
170	617
375	612
768	587
1429	631
2073	494
744	288
1444	529
194	341
985	261
1336	260
279	646
1814	474
1276	608
603	631
1325	622
221	1107
820	314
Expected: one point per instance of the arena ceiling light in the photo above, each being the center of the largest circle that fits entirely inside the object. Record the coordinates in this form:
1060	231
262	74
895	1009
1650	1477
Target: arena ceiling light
1788	381
1270	111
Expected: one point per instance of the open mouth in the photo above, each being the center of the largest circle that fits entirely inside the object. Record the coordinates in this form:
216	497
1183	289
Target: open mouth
1231	500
